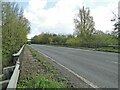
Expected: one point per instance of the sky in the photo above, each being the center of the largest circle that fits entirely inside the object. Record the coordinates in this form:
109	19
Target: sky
56	16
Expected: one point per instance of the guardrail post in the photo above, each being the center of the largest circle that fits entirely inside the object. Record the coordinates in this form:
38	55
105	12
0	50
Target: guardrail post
15	59
8	72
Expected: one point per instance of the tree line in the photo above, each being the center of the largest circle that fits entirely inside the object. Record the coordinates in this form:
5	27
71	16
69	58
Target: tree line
98	39
85	34
15	28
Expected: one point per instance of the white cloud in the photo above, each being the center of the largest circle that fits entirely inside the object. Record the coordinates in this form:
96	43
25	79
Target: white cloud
103	14
37	5
102	17
59	19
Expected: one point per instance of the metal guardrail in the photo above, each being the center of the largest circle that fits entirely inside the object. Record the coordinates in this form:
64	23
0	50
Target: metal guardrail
20	51
18	55
14	78
13	81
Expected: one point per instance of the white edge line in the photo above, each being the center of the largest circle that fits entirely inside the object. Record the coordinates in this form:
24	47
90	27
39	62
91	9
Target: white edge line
115	62
85	80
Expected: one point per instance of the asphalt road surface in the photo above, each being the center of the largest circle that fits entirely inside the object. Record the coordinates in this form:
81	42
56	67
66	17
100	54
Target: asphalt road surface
100	68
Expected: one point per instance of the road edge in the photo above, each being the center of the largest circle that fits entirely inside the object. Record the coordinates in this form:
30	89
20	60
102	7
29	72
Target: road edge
80	77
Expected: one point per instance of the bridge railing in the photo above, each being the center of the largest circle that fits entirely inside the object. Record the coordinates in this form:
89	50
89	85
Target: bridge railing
17	60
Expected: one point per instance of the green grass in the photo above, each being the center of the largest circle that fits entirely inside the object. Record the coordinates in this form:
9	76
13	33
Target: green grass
40	58
108	49
0	48
0	56
105	49
47	80
43	81
0	61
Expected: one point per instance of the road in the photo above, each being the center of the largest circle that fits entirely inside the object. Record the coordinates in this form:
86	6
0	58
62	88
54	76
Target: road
100	68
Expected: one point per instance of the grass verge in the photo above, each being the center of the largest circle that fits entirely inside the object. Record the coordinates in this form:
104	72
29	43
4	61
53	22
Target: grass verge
0	56
40	58
104	49
49	79
42	81
108	49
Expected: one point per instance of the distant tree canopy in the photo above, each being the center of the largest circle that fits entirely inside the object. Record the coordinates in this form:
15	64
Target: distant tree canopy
15	28
46	38
99	39
84	24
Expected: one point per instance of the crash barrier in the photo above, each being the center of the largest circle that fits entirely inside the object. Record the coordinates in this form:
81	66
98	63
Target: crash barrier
10	74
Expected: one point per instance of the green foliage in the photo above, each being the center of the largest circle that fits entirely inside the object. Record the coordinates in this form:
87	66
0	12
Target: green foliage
53	39
109	49
0	44
98	39
42	39
15	28
42	81
84	25
75	42
103	39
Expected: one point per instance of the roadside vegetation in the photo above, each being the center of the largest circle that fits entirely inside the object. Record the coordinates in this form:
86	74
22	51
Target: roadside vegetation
15	28
0	40
0	47
51	78
41	81
85	35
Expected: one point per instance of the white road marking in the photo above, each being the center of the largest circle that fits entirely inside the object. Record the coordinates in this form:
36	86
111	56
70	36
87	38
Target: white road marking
85	80
115	62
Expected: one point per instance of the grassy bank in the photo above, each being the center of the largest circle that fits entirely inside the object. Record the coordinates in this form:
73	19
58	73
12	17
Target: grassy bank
108	49
104	49
0	56
0	61
49	79
42	81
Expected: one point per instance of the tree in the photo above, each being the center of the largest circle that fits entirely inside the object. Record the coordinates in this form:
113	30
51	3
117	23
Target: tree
116	19
101	39
116	31
84	25
74	42
15	28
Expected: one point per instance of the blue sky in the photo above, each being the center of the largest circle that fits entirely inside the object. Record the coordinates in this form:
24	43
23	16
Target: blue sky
57	16
23	4
50	5
95	4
